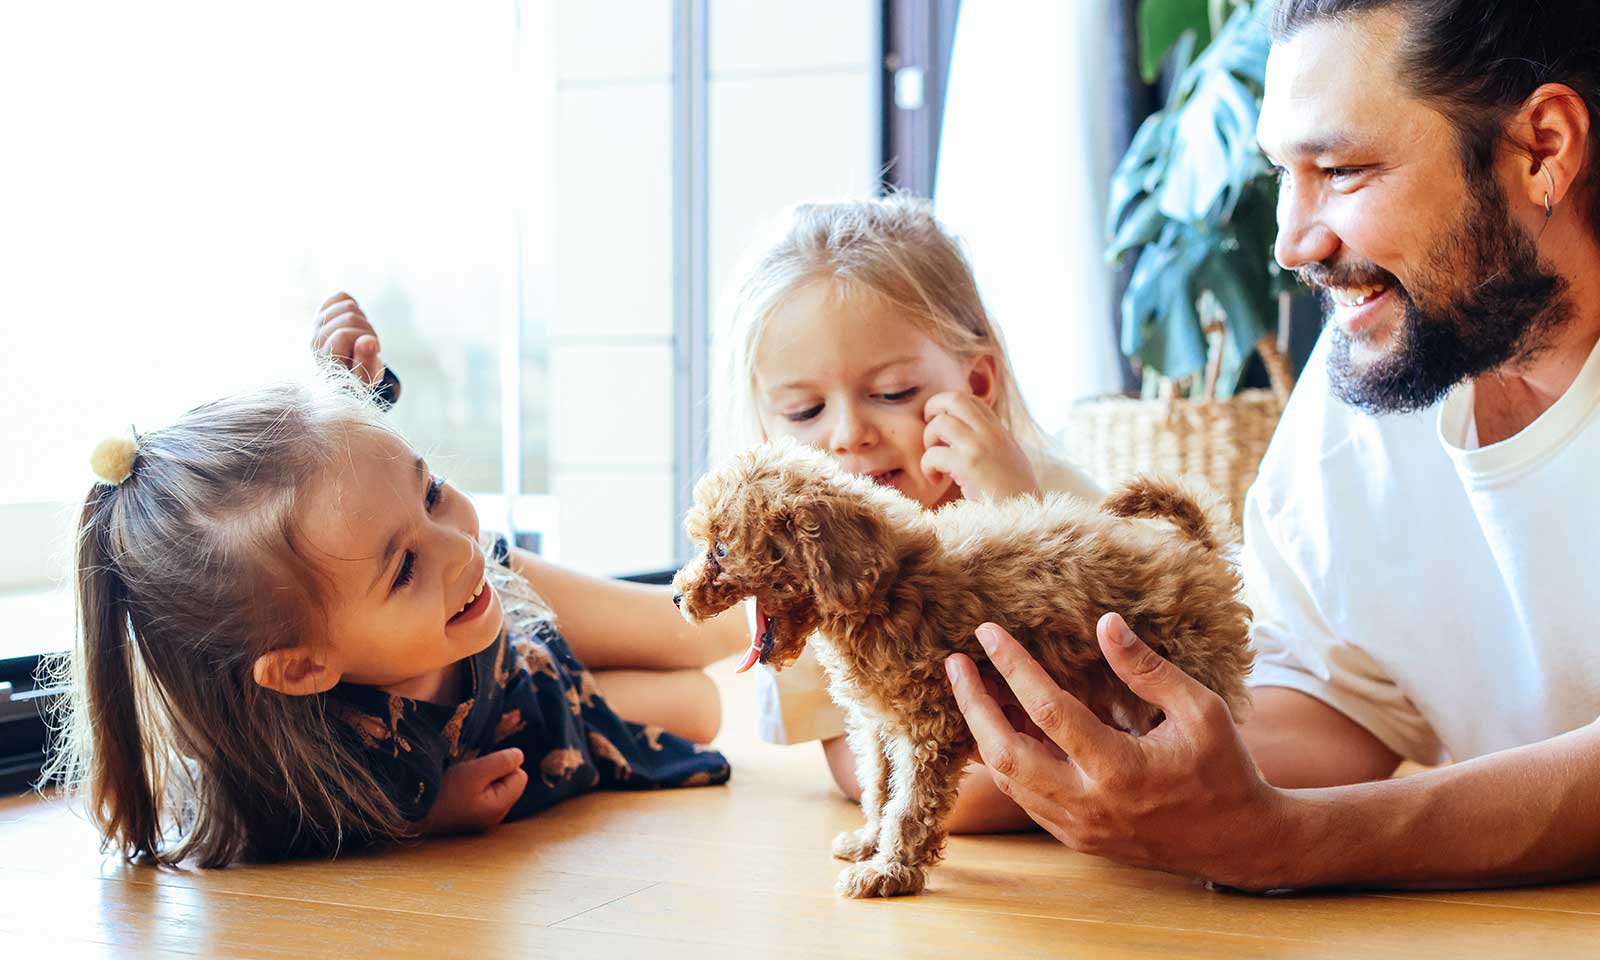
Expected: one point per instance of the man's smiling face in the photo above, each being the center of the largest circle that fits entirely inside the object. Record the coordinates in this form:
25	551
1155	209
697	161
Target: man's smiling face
1429	280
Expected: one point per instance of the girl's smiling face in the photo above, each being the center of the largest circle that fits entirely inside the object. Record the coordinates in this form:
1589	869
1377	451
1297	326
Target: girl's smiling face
848	375
407	595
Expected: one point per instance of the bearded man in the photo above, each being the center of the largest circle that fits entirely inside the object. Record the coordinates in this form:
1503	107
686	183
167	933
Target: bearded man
1418	545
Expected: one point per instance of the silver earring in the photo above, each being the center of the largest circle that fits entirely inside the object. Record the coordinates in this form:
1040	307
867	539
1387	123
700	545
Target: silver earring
1548	210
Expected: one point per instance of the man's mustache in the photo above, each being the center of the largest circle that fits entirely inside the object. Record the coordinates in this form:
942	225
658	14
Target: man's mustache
1346	275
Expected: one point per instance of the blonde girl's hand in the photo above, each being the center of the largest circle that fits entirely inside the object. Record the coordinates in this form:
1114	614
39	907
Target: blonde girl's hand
341	331
965	440
475	795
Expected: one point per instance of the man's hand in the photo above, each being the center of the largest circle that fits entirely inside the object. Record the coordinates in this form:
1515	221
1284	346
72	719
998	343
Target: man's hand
1185	797
964	440
475	795
341	331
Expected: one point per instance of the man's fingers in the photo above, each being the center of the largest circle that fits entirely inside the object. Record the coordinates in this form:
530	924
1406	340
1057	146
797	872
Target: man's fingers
1005	752
1070	724
1154	678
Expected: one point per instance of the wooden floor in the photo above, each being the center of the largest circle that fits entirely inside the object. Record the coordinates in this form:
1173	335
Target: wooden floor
741	870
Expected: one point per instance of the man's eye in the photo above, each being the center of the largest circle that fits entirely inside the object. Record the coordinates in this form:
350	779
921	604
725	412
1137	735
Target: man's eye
810	413
721	550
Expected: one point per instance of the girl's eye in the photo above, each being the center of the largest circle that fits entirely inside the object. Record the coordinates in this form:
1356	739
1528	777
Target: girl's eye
900	395
804	415
407	563
721	550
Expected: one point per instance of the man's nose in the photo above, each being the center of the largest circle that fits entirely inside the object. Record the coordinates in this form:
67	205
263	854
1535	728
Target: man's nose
1303	238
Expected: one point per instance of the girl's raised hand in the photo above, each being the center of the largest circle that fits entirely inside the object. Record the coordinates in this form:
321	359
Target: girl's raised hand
475	795
341	331
965	441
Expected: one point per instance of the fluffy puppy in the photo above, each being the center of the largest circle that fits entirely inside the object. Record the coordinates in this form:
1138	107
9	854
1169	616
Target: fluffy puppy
885	590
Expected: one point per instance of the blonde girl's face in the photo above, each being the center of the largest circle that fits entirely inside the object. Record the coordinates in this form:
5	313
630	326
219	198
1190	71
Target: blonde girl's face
400	546
851	377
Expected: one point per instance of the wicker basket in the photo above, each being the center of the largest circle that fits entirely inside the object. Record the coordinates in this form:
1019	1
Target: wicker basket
1220	442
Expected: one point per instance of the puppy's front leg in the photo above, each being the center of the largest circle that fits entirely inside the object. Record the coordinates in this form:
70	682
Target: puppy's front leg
924	778
872	773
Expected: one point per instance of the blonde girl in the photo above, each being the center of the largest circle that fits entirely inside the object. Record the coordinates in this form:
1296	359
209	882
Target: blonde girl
861	332
295	639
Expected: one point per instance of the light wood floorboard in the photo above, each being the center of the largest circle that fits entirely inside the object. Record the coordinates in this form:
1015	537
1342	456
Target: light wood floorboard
736	871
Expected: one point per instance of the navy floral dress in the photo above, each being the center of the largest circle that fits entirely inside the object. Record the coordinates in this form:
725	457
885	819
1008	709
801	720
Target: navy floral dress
526	690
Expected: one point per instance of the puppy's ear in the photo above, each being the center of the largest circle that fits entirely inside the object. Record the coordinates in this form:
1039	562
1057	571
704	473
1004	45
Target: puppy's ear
847	547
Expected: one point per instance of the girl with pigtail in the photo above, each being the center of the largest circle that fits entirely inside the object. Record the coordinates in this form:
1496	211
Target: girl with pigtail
294	640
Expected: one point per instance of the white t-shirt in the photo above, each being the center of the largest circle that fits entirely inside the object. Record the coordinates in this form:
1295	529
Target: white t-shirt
1438	593
794	702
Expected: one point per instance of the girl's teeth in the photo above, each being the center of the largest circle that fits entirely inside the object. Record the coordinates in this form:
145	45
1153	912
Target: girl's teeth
475	594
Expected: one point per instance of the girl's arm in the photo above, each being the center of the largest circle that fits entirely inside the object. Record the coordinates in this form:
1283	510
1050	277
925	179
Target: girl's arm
613	623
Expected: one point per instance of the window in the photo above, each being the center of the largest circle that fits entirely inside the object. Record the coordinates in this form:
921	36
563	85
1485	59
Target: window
537	201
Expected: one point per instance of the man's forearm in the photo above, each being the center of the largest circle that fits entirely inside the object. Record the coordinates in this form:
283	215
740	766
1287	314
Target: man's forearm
1527	815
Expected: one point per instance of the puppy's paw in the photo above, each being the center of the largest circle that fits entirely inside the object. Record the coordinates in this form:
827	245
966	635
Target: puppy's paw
856	845
880	878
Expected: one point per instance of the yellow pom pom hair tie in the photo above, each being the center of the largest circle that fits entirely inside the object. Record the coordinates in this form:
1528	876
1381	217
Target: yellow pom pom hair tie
113	458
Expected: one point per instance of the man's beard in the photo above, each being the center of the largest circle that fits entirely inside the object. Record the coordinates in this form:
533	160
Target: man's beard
1510	307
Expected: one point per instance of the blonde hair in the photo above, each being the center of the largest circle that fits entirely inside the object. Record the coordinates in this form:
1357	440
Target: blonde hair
187	570
892	249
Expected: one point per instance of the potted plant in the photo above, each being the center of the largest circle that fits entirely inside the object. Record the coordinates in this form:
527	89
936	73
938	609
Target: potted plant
1195	202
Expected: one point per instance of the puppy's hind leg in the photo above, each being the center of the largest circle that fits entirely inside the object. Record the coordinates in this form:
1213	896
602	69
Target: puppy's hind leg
872	773
924	778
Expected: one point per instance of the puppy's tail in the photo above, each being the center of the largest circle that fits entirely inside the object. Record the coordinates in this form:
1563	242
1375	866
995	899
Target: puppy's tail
1197	512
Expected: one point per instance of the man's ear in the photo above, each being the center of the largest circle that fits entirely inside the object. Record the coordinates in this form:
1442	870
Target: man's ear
1552	130
983	378
297	671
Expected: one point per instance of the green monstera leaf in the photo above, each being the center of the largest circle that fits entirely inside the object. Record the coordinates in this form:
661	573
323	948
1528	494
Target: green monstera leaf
1195	199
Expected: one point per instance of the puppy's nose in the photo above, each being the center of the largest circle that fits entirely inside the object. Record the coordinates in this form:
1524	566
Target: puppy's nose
677	599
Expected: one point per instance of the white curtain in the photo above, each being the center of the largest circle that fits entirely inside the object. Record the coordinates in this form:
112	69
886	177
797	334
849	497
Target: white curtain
1024	160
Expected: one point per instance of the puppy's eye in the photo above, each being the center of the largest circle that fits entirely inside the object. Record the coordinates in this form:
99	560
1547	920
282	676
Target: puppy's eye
721	550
